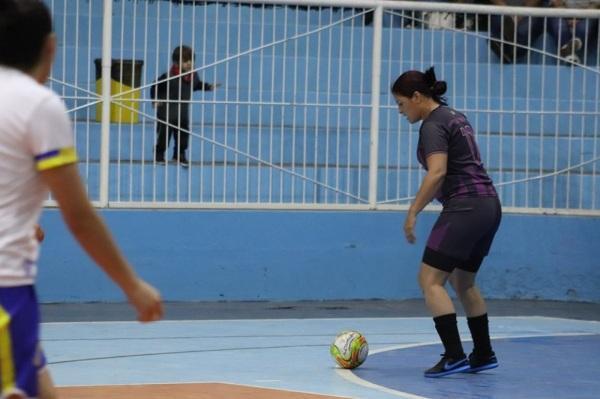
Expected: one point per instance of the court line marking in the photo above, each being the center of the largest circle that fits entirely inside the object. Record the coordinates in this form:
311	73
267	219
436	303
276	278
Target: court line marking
351	377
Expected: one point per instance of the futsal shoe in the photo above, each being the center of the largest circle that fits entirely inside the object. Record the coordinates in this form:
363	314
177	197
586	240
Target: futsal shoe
448	366
480	363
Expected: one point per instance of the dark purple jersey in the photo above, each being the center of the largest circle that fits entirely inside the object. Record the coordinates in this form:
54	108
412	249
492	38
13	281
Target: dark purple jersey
448	131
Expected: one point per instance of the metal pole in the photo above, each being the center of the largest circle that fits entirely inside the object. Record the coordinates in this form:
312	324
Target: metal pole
375	92
106	98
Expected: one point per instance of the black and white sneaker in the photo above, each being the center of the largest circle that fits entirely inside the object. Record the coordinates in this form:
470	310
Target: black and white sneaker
479	363
448	366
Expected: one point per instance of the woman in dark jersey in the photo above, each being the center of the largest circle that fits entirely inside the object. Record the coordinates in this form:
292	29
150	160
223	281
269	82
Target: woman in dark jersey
463	233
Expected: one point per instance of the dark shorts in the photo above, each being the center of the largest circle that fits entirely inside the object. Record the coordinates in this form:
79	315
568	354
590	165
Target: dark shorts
21	357
463	234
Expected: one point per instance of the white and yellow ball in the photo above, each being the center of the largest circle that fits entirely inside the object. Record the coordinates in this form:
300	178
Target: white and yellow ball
349	349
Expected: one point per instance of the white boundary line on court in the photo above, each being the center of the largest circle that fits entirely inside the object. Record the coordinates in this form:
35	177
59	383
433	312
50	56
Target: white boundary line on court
351	377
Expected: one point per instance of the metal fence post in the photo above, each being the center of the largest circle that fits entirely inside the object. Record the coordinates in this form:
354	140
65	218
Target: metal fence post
106	99
375	93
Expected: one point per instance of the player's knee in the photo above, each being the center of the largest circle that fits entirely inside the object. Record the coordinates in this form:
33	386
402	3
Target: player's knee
424	281
460	286
431	277
428	282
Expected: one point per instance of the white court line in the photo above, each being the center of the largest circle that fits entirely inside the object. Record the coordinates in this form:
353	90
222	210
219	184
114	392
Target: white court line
351	377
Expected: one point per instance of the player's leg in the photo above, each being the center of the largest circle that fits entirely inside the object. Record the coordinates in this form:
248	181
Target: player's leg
463	283
20	355
487	212
432	280
449	245
482	357
46	389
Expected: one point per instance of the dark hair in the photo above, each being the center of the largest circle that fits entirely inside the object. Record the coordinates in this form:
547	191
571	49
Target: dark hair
425	83
24	27
182	54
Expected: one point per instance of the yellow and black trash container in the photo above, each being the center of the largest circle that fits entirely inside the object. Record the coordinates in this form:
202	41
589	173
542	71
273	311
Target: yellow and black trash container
125	76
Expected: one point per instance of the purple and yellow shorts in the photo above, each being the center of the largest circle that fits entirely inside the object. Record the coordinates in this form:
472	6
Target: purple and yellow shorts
21	357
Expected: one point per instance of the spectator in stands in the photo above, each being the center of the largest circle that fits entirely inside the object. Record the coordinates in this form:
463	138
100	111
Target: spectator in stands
521	30
171	98
574	35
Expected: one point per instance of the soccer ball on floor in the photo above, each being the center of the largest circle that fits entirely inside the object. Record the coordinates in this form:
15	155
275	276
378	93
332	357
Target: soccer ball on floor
350	349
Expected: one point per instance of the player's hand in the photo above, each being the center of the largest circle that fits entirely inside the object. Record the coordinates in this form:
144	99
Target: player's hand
409	227
39	233
214	86
146	301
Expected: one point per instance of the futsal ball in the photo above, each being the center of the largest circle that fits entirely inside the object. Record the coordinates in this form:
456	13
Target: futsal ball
350	349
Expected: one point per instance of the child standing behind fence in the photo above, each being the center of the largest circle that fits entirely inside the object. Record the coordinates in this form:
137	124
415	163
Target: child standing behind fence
171	95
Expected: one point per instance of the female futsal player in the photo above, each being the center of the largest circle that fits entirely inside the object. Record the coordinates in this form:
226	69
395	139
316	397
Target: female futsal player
465	229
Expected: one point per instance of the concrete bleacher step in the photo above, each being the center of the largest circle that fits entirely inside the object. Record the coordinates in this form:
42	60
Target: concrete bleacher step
250	82
334	145
206	182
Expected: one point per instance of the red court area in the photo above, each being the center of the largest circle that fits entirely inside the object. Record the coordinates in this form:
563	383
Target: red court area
183	391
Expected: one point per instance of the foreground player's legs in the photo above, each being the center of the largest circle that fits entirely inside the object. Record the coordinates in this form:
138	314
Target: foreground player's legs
482	357
46	389
432	281
46	385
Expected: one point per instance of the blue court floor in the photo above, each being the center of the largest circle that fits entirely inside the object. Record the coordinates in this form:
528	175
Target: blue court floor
540	357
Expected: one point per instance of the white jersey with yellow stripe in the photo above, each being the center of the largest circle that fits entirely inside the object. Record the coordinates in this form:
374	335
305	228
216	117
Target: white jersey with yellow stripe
35	134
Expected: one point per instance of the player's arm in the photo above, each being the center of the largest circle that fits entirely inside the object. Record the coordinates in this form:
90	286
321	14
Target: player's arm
432	182
89	230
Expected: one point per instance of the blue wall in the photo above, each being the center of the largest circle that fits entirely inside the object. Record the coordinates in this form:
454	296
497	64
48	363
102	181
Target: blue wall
270	255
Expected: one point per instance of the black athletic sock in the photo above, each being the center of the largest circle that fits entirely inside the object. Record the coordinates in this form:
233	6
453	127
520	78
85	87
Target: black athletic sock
481	335
447	329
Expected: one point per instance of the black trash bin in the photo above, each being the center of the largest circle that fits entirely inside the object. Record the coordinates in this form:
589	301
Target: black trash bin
125	75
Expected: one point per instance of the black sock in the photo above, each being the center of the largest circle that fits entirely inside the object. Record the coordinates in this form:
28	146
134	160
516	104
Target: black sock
448	331
481	335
